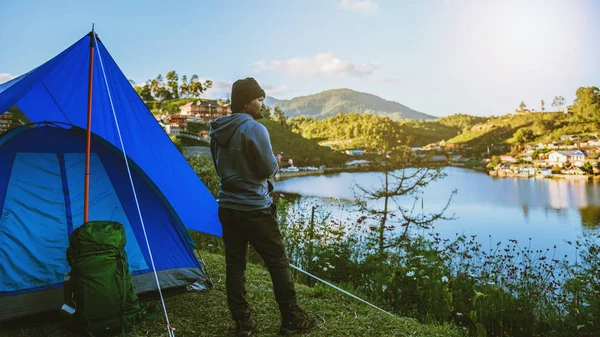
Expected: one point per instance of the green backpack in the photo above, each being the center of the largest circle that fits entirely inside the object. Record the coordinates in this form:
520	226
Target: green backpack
99	287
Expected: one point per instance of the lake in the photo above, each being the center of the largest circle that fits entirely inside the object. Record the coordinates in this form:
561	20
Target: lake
549	211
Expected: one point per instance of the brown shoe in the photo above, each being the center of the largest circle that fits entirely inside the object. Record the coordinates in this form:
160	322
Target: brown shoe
297	322
245	326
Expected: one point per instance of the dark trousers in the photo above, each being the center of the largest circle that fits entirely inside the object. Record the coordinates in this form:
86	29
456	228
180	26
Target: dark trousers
260	229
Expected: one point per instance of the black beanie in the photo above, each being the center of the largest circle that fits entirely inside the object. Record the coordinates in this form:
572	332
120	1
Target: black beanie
243	92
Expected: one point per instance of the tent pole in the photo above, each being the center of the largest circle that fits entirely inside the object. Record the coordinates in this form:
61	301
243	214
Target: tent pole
86	191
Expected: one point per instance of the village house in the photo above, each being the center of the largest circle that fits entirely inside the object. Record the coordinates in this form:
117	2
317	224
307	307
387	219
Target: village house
569	137
204	111
555	145
5	121
283	160
355	152
594	142
357	163
439	158
562	158
524	157
432	146
508	158
459	160
179	121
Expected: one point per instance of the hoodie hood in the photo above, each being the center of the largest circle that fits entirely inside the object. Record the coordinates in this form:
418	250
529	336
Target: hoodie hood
223	128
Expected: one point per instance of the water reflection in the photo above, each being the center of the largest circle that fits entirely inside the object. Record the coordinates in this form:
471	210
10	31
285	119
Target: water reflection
590	217
548	210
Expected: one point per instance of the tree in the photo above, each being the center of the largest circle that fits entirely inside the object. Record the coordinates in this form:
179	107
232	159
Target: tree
185	88
523	135
558	102
522	106
177	142
495	161
543	105
541	126
398	181
173	83
587	167
144	92
279	116
267	112
196	87
158	88
587	103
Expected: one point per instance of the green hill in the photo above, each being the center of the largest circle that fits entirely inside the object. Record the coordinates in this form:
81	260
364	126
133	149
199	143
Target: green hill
523	128
371	132
303	151
331	102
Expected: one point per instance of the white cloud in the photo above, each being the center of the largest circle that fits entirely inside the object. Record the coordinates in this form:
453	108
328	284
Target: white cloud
272	90
5	77
219	89
322	64
361	6
222	89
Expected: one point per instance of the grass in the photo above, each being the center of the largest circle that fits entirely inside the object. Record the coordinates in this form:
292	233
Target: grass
206	314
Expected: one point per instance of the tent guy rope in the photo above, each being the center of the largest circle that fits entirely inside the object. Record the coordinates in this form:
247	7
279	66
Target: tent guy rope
340	289
170	329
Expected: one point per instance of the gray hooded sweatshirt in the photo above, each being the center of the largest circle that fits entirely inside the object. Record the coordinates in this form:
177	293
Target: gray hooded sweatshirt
243	157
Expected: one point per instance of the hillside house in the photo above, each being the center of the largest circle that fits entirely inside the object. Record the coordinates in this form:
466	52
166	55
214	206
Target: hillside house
524	157
594	142
283	160
179	121
5	121
357	163
439	159
355	152
508	158
459	159
205	111
562	158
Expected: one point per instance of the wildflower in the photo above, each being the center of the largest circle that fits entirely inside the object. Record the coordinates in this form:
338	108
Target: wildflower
444	278
315	259
410	274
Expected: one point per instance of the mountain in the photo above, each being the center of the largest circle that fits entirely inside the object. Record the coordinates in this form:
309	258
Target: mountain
331	102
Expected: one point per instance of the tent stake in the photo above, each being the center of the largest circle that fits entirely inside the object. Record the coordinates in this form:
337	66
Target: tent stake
86	191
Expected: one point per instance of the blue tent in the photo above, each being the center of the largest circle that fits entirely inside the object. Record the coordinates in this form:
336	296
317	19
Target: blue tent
42	168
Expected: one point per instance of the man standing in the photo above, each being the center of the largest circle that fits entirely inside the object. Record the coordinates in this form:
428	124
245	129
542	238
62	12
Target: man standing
244	160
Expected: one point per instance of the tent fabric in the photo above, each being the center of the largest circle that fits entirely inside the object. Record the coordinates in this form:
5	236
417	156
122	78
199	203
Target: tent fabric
57	91
42	176
36	190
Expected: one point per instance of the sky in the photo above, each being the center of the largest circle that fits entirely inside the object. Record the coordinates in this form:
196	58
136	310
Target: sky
440	57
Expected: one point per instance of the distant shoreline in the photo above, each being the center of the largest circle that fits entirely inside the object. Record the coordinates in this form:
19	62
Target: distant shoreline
286	175
541	176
